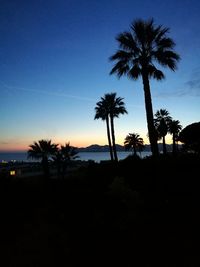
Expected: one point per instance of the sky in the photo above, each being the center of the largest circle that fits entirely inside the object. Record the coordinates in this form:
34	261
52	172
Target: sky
54	68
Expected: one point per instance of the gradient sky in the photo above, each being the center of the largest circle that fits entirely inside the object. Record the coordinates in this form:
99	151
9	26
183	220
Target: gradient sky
54	67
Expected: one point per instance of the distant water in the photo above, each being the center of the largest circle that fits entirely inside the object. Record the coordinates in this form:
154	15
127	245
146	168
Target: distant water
15	156
96	156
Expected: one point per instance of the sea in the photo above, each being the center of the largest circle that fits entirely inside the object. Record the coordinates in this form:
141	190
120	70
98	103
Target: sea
95	156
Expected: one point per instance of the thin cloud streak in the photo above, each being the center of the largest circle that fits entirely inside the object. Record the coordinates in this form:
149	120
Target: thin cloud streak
193	90
47	92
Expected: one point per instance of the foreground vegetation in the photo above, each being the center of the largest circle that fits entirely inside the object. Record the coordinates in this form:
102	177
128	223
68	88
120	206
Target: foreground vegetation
137	212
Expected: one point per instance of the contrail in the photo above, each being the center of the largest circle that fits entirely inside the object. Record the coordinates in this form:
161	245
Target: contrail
47	92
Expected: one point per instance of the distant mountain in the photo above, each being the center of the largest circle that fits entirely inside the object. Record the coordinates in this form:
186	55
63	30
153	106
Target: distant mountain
98	148
105	148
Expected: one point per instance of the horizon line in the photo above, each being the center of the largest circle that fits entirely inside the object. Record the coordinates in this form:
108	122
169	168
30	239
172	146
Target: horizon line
23	150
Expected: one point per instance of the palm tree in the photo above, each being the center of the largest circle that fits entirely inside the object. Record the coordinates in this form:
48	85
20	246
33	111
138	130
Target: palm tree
43	149
111	107
135	142
174	128
102	112
58	160
162	119
143	45
68	153
116	107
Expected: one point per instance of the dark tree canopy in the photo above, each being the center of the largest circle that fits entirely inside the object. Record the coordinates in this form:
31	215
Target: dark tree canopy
190	136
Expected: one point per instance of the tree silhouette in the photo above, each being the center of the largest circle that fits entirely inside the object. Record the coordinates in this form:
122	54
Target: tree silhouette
112	107
102	112
143	45
68	153
43	149
190	136
162	119
174	129
135	142
116	108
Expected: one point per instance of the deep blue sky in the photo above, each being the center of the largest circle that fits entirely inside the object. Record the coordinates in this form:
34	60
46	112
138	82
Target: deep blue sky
54	67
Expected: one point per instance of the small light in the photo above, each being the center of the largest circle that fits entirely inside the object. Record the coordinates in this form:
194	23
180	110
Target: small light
12	173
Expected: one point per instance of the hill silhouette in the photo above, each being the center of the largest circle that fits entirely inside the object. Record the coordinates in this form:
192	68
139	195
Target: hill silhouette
105	148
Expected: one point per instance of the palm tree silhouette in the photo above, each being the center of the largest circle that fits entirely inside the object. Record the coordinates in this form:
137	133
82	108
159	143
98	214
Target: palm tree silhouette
62	158
102	112
174	128
116	107
58	160
135	142
68	153
111	107
43	149
162	119
143	45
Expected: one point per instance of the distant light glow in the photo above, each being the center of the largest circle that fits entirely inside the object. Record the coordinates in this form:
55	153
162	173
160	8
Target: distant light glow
12	173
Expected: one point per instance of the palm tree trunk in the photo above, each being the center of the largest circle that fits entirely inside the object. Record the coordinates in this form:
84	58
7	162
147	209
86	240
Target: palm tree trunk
134	150
109	138
45	165
164	146
174	144
113	137
149	115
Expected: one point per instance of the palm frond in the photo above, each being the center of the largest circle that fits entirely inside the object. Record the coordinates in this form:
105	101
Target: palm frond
165	43
166	58
120	68
127	43
155	73
144	44
135	72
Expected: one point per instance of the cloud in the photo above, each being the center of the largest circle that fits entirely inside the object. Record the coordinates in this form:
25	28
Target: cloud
50	93
190	88
172	94
193	85
4	143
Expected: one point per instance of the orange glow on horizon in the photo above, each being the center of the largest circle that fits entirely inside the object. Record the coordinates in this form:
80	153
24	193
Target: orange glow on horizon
24	146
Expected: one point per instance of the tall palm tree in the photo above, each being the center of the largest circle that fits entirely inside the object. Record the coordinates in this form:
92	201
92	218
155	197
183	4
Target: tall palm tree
43	149
135	142
174	128
102	112
116	107
140	48
110	107
162	119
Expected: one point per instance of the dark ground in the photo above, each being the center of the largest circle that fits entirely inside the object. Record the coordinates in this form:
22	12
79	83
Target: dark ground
134	213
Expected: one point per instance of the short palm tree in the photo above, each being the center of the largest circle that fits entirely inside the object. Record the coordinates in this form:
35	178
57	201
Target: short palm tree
139	49
58	160
162	119
68	153
113	106
63	157
43	149
174	128
135	142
